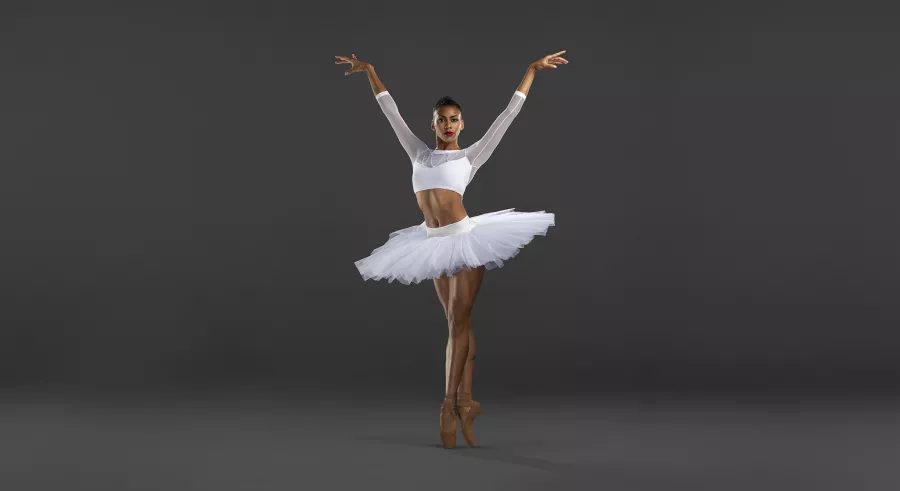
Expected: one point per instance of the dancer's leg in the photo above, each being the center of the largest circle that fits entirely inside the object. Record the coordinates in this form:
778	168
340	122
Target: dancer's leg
464	287
465	386
442	286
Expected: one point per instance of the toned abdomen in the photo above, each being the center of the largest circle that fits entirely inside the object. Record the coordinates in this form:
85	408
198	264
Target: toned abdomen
440	207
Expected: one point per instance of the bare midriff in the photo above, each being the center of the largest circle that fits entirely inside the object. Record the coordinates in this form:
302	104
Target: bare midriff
440	206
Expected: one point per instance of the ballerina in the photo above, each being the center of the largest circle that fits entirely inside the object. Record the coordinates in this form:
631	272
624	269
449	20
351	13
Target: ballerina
450	247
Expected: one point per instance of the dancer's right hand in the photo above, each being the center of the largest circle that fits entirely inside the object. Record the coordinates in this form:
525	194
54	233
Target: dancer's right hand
356	65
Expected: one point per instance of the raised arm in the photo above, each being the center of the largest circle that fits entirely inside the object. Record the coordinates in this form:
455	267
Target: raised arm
479	152
411	144
549	61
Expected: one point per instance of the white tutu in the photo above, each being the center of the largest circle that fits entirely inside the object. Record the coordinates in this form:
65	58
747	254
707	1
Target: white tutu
420	253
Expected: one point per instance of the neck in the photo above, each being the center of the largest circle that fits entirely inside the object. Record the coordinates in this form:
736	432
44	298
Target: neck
442	145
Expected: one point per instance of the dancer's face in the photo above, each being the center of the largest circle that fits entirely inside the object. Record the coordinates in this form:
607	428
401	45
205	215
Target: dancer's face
447	123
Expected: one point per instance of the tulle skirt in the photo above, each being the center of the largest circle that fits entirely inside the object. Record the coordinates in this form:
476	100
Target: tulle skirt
419	253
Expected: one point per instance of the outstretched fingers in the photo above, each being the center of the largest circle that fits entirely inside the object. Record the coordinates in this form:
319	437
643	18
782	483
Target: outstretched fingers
354	63
554	59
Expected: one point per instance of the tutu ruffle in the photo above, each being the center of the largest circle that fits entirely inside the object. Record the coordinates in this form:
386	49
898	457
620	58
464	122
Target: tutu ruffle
412	255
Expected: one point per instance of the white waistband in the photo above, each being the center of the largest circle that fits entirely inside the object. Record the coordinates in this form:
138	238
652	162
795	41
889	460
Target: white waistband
463	225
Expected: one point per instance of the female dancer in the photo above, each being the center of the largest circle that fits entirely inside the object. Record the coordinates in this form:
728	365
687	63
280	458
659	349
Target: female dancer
450	247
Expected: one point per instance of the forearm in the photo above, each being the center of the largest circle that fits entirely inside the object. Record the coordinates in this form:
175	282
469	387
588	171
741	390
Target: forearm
526	81
480	151
411	144
377	86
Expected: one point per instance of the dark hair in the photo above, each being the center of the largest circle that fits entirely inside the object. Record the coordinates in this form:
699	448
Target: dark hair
447	101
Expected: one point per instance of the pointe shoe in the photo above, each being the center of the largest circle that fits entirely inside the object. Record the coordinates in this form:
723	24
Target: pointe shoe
468	410
448	424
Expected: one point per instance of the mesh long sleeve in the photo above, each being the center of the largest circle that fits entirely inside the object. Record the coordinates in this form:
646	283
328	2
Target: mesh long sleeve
411	144
479	152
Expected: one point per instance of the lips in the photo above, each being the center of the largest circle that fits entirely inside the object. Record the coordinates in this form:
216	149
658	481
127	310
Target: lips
448	133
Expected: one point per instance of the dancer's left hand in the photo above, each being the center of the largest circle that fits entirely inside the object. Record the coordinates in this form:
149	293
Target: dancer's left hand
550	61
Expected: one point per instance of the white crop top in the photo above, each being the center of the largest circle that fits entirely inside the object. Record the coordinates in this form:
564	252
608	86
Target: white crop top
447	169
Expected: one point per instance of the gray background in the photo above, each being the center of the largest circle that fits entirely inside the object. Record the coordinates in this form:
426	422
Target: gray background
184	189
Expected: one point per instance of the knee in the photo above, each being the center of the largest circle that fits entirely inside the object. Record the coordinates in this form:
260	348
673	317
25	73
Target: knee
458	320
458	327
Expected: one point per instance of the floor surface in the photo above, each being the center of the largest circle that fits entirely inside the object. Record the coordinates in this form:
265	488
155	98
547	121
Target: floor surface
612	443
